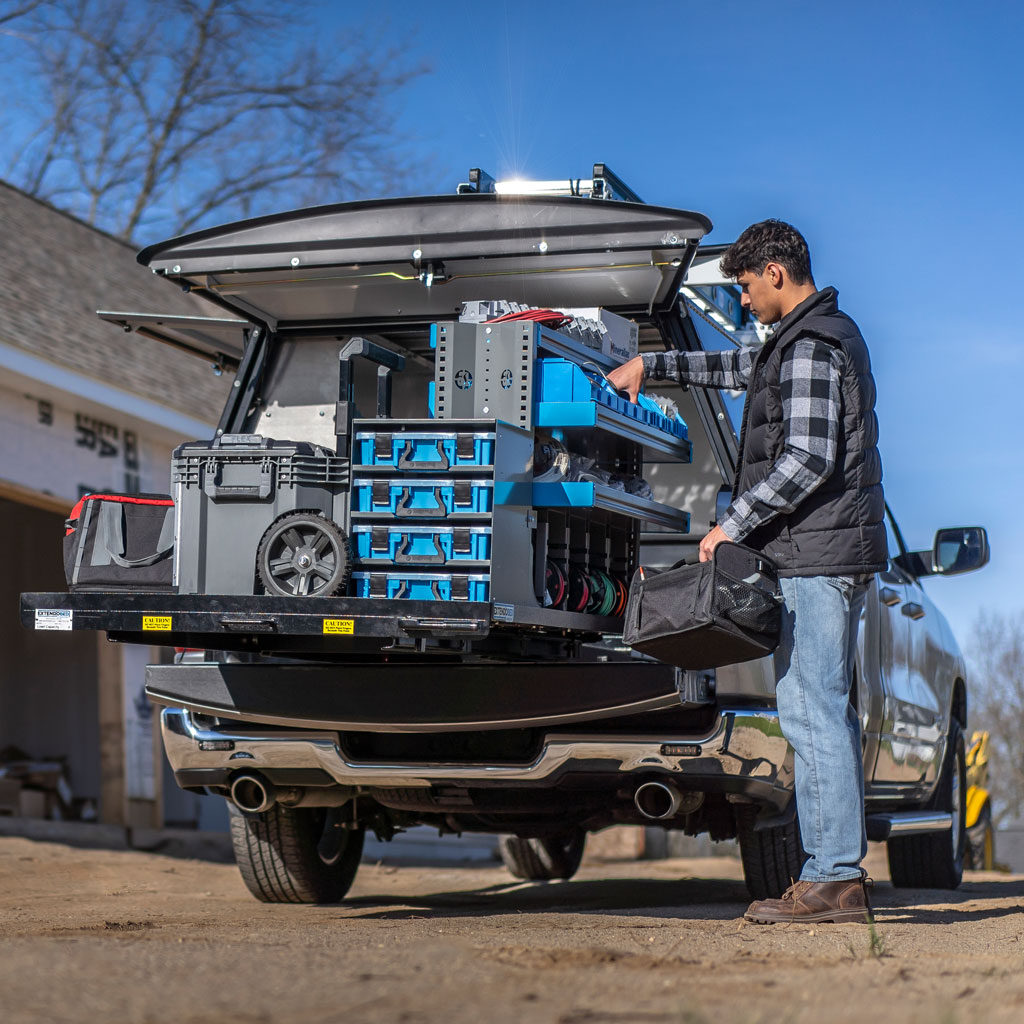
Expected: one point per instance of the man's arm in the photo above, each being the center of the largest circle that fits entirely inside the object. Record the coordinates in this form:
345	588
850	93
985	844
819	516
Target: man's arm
728	369
809	378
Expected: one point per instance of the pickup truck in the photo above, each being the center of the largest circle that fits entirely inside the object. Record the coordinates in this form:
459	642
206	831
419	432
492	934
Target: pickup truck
429	632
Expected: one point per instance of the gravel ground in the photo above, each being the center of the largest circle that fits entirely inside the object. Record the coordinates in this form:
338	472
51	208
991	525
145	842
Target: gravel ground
91	935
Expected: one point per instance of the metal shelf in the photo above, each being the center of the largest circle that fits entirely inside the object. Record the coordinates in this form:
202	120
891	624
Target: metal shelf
596	415
584	494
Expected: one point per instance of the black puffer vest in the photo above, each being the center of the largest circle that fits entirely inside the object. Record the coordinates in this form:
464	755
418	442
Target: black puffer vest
839	529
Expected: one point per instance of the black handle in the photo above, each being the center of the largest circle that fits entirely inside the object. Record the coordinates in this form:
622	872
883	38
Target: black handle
402	508
405	461
386	360
402	556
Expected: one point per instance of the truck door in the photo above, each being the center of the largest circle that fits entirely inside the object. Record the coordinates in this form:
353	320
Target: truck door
904	747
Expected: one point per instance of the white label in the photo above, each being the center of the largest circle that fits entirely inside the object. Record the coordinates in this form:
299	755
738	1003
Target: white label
54	618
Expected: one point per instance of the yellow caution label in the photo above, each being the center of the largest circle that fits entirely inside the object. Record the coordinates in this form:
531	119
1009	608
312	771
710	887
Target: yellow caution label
156	623
340	626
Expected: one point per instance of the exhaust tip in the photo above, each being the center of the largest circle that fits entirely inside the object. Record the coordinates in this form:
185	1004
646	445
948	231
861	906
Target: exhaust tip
657	800
253	793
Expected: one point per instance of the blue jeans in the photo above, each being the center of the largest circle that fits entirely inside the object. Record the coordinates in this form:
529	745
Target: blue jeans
814	670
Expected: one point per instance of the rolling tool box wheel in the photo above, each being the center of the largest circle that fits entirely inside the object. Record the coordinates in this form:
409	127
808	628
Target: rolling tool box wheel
304	555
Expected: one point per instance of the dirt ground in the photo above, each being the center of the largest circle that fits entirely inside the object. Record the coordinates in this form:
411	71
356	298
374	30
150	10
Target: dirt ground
112	936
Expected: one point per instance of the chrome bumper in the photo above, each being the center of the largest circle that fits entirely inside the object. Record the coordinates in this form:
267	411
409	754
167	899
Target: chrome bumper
744	752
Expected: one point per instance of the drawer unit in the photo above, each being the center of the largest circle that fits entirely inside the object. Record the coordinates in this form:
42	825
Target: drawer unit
422	451
420	545
434	498
422	586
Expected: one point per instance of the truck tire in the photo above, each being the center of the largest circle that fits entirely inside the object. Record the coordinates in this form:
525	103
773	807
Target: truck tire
542	860
935	860
772	857
295	855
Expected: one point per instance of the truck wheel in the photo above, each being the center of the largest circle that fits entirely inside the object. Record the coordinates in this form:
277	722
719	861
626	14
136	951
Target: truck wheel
541	860
935	860
295	855
772	857
303	555
980	854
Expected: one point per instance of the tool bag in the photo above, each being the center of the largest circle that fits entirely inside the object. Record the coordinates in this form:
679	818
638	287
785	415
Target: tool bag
120	542
709	614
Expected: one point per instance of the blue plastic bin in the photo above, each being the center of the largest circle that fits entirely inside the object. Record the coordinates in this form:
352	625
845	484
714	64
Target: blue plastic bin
435	498
419	452
422	586
421	545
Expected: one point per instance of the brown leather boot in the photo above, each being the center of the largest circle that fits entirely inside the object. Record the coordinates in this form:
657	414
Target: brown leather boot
815	902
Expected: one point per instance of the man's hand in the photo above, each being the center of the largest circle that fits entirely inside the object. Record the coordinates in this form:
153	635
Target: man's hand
710	542
628	377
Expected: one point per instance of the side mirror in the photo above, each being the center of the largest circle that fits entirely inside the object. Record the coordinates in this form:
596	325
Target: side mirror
959	549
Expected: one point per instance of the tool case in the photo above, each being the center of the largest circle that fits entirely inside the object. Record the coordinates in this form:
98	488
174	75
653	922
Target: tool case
720	612
230	490
120	542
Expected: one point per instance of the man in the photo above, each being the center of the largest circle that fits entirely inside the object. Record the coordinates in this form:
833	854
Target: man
808	493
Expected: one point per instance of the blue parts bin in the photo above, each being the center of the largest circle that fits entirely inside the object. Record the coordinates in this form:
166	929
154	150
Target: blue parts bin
435	498
421	545
419	586
423	451
561	382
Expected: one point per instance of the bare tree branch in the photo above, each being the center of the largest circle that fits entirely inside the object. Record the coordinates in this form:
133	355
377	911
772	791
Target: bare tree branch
164	116
996	698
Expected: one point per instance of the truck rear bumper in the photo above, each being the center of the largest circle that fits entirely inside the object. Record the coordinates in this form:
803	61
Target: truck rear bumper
742	752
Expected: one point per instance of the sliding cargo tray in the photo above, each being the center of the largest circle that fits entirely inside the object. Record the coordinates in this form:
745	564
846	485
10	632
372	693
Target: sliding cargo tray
329	625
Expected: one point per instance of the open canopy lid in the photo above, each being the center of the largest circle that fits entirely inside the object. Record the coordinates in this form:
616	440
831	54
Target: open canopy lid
421	258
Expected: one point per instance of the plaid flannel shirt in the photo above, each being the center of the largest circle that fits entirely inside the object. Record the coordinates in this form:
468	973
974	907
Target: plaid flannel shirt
809	378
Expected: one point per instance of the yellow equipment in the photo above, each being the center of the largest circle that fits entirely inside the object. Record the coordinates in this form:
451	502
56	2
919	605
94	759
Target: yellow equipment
981	846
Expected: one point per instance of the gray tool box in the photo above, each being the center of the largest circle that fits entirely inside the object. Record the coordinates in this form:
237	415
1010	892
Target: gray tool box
230	491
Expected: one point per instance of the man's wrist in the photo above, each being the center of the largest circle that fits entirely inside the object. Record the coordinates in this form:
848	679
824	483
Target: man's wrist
733	527
654	365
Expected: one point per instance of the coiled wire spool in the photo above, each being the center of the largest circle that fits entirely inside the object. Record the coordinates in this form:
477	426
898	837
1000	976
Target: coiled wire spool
622	596
603	594
555	584
579	589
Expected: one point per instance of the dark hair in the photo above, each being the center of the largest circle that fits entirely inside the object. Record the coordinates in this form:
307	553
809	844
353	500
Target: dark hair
769	241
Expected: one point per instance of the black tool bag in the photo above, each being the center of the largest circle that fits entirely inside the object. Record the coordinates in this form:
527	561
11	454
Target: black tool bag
120	542
709	614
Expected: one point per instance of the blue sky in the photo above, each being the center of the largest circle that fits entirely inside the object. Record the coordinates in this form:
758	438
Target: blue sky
889	133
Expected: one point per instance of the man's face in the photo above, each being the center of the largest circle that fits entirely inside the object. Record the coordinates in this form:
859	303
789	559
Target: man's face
761	295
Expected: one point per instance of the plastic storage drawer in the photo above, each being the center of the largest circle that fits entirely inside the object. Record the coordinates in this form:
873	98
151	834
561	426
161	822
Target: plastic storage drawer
421	545
422	586
417	452
433	498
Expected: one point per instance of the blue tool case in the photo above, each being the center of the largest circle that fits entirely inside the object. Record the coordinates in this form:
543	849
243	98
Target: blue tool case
420	545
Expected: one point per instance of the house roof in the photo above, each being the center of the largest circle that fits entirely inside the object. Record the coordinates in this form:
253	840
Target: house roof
56	271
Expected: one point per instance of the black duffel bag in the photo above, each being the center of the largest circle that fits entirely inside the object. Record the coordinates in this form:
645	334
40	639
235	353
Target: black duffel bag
120	542
708	614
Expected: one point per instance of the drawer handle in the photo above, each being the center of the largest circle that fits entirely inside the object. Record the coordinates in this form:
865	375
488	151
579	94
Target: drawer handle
403	508
406	459
403	557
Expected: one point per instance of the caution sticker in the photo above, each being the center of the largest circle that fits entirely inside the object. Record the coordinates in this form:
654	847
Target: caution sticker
55	618
156	623
340	626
